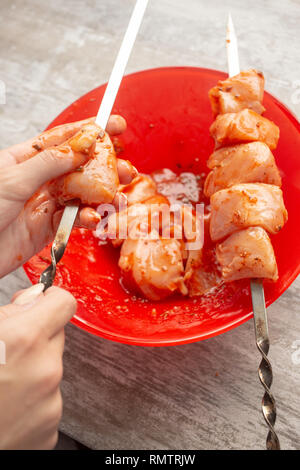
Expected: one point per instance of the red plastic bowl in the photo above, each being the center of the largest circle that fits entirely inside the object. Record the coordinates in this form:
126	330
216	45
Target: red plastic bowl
168	115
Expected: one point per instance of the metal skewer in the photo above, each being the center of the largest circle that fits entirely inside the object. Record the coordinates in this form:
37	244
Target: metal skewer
257	292
67	221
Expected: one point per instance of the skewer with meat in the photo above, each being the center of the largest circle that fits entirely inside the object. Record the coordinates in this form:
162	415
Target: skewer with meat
244	184
95	182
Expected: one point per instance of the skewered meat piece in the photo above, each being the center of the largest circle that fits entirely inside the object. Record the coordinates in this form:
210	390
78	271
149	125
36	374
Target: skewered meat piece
97	181
247	254
245	90
244	126
244	163
153	267
246	205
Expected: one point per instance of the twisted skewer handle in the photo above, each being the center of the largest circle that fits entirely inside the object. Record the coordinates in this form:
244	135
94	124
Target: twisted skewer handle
265	369
60	243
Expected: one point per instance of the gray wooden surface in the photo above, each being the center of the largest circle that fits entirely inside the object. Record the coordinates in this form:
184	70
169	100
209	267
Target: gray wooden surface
198	396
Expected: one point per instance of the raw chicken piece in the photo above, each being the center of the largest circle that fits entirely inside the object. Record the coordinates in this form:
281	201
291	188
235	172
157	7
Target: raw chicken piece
148	254
97	181
246	205
244	90
244	126
245	163
142	187
137	220
247	254
153	267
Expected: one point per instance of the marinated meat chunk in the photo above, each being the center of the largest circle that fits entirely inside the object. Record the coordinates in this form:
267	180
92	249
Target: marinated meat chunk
153	267
247	254
97	181
244	126
246	205
244	163
245	90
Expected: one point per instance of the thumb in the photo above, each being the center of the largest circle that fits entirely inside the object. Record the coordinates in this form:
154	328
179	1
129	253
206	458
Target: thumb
21	300
53	162
28	296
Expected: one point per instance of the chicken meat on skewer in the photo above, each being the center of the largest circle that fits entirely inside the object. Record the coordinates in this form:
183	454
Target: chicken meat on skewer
245	90
244	163
244	184
246	205
97	181
244	126
77	141
246	254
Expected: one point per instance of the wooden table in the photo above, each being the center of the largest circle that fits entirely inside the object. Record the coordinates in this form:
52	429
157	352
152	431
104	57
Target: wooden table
198	396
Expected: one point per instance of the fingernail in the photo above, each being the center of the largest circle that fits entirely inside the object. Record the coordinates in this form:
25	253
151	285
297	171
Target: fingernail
29	295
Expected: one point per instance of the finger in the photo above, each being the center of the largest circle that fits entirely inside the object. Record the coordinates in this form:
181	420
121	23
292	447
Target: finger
50	138
116	125
27	177
120	201
21	300
53	310
126	171
28	296
87	217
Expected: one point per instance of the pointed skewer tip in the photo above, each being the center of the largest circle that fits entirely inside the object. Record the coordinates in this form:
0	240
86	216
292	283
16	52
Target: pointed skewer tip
230	32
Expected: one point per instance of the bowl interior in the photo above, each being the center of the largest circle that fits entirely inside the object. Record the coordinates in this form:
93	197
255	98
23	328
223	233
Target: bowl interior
168	115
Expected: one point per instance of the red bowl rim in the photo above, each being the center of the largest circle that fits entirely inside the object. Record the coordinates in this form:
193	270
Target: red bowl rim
86	326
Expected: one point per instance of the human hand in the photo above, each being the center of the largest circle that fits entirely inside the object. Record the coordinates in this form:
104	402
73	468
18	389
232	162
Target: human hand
29	211
30	397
